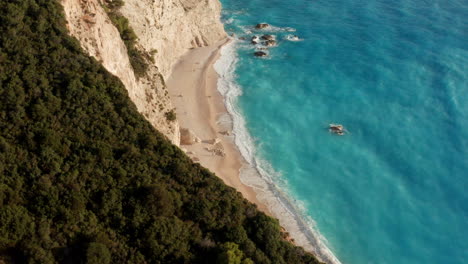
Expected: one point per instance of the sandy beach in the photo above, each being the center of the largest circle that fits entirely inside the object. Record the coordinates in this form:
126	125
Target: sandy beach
200	108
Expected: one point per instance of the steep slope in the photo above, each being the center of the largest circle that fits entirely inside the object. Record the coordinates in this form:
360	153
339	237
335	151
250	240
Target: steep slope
91	25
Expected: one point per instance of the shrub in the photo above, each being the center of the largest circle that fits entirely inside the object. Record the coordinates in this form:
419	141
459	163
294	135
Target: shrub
170	115
137	57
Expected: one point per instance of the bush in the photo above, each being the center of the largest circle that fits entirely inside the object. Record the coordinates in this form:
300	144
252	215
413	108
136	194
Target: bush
170	115
97	253
137	57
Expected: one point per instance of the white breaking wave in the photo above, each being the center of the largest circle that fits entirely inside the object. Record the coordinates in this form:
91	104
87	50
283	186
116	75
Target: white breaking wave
293	38
228	21
259	174
271	28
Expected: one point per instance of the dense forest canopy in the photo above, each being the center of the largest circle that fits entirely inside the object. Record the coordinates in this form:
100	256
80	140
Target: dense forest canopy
85	179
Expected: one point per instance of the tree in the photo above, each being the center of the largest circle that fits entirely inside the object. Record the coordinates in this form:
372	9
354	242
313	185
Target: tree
230	254
97	253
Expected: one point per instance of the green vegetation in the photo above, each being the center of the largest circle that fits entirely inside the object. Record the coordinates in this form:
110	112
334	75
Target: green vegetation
170	115
85	179
137	57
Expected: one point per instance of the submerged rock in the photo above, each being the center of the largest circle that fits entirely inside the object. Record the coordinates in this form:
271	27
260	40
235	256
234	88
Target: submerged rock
270	43
268	37
260	54
262	26
293	38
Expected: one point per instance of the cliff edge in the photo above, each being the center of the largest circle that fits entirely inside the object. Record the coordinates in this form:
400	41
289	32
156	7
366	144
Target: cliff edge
165	29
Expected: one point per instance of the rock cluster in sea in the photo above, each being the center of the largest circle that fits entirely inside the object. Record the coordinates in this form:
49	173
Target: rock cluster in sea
265	41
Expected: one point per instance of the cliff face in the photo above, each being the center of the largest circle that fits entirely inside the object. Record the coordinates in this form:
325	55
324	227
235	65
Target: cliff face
169	28
166	28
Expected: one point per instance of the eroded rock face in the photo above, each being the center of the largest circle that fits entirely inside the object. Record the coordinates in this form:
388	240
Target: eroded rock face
165	28
169	28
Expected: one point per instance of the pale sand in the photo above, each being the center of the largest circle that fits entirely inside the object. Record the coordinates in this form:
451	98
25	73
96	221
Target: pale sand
199	107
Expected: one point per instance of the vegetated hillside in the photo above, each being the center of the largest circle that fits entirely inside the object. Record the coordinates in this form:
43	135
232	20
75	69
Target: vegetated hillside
85	179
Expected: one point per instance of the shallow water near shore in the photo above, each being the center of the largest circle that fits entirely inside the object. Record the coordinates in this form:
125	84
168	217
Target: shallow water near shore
393	190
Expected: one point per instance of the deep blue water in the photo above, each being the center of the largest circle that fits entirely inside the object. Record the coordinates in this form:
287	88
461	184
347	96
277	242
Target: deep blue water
394	73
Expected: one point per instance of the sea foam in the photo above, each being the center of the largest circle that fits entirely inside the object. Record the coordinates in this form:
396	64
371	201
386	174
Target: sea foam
258	174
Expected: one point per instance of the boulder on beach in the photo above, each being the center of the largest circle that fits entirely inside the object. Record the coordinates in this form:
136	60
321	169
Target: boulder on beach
225	133
268	37
187	137
261	26
219	152
213	141
260	54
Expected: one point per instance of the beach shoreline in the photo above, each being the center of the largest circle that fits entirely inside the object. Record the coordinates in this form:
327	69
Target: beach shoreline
200	108
197	88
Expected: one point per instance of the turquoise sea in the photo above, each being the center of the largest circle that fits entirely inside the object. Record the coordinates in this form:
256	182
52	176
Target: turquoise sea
394	73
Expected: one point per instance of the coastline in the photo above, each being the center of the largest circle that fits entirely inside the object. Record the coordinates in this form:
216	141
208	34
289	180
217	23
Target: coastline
200	92
200	108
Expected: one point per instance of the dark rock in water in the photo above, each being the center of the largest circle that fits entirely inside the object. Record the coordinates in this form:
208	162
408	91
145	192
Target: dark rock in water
268	37
262	26
260	54
242	38
255	40
270	43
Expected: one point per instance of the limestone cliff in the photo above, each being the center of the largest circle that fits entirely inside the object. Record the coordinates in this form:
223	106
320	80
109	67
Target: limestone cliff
169	28
165	28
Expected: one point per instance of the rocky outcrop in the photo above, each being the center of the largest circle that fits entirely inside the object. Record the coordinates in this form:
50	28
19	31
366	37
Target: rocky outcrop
261	26
270	43
168	28
268	37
